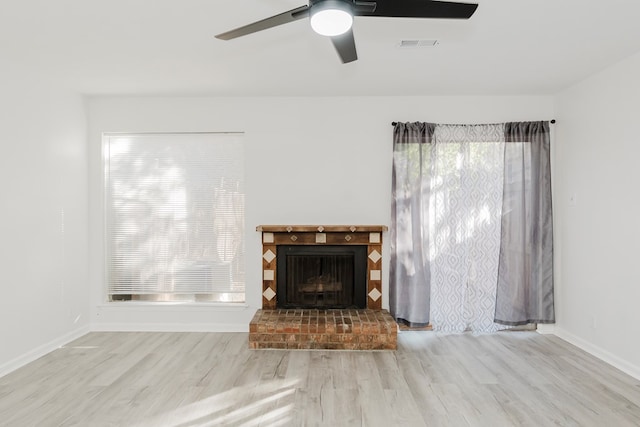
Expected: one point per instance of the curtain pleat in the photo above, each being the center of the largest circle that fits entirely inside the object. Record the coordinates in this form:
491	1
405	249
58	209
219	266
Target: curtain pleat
525	273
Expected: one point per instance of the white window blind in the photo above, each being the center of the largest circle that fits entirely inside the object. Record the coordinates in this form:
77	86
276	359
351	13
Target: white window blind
175	216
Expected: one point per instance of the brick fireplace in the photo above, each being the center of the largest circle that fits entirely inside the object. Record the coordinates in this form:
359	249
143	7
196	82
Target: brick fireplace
330	303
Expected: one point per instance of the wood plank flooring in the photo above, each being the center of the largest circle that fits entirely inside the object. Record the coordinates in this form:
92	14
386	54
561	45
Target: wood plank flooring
213	379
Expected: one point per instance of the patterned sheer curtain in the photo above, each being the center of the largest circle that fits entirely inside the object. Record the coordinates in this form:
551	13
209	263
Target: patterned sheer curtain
465	253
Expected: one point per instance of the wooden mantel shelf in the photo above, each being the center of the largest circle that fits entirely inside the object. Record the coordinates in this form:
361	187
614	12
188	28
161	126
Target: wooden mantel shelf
321	228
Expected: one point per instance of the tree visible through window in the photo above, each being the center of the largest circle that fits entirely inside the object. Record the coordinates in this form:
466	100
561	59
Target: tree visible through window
175	217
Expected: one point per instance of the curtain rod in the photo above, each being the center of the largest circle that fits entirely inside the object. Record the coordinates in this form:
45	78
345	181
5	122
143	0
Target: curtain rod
552	121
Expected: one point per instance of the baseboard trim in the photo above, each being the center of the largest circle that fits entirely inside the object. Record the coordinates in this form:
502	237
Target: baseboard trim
546	329
600	353
42	350
170	327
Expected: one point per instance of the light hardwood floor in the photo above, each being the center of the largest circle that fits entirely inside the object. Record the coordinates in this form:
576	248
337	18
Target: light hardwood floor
211	379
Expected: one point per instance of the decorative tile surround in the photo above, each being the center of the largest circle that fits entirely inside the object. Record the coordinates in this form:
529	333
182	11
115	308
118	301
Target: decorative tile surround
369	235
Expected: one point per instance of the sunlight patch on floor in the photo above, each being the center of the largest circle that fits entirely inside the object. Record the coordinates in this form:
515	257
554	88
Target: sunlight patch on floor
271	405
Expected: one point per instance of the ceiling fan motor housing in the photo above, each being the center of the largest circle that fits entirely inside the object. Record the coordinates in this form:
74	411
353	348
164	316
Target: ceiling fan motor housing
315	2
355	7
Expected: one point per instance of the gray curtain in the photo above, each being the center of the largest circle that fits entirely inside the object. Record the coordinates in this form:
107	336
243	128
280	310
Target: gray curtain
409	277
525	273
524	290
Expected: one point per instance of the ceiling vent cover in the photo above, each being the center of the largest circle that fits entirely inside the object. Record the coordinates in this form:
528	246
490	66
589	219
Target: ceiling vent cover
417	43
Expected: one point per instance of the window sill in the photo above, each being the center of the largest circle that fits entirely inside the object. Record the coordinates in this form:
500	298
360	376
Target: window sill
172	306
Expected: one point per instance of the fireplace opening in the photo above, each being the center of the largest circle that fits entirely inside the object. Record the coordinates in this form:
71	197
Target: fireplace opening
313	276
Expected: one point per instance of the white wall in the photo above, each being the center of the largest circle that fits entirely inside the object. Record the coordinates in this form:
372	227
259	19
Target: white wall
309	161
597	152
44	218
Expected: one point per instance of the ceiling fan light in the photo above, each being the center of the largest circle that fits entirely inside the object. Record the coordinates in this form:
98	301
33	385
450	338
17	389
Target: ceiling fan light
331	18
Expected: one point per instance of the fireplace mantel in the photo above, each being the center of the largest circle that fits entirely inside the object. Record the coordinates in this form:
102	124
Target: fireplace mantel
366	235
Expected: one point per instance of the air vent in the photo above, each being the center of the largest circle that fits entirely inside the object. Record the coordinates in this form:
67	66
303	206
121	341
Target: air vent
406	44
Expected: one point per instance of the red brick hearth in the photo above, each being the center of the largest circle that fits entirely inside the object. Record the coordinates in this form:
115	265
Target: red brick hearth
323	329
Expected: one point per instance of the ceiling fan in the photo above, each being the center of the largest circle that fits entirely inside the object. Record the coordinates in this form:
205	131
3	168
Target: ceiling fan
334	18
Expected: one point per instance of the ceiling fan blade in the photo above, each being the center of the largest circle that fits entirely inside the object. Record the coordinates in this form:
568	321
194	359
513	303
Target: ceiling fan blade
419	9
345	44
274	21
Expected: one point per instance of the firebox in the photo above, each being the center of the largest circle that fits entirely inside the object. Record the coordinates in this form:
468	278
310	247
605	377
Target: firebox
322	276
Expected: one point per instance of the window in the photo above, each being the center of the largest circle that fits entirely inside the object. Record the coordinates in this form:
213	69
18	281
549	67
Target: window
175	217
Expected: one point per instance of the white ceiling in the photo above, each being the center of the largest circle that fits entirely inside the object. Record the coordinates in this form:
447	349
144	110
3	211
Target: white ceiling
167	47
